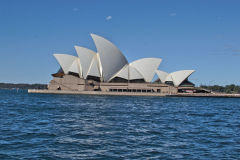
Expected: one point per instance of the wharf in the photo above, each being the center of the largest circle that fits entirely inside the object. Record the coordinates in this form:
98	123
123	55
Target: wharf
223	95
95	93
45	91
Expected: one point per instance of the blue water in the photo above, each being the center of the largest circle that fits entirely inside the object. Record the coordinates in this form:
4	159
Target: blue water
38	126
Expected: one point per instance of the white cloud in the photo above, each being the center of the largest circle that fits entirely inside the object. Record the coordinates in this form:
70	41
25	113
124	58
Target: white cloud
75	9
173	14
236	54
228	50
108	18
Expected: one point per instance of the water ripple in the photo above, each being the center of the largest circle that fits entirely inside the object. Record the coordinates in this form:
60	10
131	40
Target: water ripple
38	126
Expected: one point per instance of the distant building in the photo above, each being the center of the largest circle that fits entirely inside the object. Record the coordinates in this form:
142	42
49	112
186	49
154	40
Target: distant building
108	70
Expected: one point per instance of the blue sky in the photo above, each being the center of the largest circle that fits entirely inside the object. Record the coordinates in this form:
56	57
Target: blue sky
203	35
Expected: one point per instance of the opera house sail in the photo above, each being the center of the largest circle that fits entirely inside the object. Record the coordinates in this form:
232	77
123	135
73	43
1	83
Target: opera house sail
108	70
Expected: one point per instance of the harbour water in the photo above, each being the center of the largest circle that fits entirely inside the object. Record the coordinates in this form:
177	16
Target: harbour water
46	126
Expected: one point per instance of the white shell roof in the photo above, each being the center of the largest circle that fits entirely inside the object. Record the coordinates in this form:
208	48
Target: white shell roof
99	64
176	77
112	59
94	68
147	67
134	73
65	61
162	75
128	72
179	76
109	63
168	78
75	67
123	73
86	57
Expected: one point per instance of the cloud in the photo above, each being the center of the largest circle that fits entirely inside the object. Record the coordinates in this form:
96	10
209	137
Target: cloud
236	54
219	53
236	50
108	18
75	9
173	14
227	50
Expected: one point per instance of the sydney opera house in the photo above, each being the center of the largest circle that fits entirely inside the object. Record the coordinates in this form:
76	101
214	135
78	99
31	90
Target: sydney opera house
108	70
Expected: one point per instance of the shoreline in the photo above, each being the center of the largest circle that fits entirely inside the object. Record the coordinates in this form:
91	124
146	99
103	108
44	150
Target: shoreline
220	95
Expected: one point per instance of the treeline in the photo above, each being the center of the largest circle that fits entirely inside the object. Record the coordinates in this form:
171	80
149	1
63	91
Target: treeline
22	86
225	89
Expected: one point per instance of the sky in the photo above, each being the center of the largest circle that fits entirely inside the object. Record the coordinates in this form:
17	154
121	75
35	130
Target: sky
202	35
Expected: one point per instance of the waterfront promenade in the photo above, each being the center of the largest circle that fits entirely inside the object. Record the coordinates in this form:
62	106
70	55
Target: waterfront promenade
45	91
